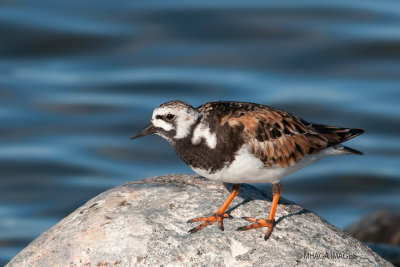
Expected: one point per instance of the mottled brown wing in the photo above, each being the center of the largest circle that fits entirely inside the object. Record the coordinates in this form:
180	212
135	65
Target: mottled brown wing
277	138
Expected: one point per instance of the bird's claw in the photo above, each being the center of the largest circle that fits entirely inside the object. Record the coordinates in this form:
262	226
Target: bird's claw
258	223
217	217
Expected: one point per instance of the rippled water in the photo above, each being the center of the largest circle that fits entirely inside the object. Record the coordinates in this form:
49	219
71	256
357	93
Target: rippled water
78	78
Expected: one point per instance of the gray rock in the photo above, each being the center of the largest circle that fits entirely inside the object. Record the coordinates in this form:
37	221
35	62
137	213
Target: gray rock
388	252
144	223
381	231
382	226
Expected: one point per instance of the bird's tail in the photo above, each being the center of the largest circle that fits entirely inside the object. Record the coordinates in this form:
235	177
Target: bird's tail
337	135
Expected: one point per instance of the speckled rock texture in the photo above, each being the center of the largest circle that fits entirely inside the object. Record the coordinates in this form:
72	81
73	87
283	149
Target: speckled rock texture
144	223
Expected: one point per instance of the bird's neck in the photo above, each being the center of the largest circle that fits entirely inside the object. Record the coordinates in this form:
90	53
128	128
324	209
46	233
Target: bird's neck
210	151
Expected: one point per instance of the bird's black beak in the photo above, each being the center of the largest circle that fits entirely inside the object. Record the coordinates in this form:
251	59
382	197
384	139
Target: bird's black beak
150	129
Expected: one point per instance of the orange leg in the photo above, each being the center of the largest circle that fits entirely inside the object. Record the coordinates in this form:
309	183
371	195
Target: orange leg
219	215
270	222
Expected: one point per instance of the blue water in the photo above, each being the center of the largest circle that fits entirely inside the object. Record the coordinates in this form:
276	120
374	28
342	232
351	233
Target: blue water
79	78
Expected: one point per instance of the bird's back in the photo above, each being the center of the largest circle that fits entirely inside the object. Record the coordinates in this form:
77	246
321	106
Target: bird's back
276	137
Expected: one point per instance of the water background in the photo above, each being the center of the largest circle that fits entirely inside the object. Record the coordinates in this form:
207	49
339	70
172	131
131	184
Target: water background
79	78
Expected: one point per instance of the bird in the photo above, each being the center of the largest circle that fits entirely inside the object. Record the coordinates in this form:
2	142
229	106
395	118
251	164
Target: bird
243	142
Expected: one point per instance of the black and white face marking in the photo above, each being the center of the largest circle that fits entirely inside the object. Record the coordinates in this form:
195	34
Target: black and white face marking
174	122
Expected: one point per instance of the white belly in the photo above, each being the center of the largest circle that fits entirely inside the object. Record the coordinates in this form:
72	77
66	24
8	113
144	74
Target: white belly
246	168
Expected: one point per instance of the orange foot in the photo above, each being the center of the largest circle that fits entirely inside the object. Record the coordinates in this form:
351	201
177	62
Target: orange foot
217	217
258	223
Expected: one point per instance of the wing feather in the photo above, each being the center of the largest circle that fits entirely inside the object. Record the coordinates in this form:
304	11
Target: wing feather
277	138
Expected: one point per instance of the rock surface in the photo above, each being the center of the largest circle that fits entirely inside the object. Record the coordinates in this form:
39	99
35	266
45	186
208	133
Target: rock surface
388	252
381	231
379	227
144	223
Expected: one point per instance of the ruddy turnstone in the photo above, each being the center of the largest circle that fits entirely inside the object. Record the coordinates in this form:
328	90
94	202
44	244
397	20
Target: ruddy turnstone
237	142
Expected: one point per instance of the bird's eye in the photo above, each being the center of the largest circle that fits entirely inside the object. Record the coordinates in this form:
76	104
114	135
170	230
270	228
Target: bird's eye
170	116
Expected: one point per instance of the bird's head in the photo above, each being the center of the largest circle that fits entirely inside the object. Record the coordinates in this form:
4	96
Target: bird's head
172	120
